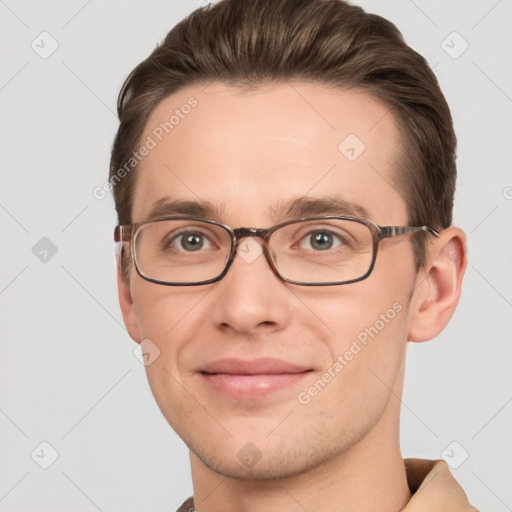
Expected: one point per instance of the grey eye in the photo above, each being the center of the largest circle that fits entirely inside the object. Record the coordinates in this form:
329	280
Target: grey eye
321	240
191	241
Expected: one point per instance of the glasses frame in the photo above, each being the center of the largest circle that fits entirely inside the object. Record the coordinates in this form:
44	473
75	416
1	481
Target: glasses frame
128	233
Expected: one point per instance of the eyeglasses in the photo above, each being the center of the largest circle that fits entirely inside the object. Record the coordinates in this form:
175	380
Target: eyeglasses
315	251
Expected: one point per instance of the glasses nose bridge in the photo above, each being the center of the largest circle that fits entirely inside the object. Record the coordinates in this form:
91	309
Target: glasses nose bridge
241	233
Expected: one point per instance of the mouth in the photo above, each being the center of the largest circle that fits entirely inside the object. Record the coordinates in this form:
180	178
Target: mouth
251	379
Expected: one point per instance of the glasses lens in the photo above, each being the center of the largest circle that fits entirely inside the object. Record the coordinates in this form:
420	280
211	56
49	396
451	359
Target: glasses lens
181	251
322	250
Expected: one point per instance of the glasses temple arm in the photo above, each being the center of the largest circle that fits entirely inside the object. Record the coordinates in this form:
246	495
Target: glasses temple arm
392	231
123	233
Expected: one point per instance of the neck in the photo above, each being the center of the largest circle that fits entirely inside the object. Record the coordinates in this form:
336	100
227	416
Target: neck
370	476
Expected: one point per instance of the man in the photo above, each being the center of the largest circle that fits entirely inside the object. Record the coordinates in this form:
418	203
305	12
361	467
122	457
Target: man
284	173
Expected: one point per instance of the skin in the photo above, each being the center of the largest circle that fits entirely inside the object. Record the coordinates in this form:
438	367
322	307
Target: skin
246	151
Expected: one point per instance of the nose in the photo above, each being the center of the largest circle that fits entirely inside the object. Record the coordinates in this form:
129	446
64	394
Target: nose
251	299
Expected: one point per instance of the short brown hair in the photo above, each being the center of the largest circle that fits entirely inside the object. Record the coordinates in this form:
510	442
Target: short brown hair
247	42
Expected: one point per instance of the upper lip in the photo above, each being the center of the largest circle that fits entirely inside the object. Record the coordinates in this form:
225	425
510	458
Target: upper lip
264	365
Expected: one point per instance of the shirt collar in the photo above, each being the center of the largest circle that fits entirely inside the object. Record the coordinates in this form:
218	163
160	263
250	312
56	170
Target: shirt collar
434	488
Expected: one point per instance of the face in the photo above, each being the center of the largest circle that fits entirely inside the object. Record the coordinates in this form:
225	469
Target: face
262	378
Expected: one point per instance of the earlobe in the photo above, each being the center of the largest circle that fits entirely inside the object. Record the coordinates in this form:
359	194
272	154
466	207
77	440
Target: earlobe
438	285
127	304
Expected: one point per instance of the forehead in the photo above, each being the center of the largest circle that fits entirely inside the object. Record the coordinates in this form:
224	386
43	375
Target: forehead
249	151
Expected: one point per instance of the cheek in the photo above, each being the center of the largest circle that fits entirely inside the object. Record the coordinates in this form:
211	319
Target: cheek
366	356
367	324
168	318
162	310
358	310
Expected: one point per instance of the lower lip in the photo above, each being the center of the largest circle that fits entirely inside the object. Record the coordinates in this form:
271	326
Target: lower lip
251	386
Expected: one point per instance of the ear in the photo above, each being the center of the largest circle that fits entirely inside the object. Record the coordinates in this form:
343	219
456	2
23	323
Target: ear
438	285
126	303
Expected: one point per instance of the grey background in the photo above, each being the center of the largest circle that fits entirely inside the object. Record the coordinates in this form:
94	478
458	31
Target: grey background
68	375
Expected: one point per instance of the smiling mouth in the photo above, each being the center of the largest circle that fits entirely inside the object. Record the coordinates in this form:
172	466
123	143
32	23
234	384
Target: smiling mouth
252	379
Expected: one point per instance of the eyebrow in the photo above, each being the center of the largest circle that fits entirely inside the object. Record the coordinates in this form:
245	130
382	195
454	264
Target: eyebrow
310	207
167	208
296	208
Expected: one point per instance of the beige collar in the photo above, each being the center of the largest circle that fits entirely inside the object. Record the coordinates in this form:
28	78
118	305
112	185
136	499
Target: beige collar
434	488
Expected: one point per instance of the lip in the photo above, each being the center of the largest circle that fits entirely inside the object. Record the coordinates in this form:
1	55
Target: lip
241	379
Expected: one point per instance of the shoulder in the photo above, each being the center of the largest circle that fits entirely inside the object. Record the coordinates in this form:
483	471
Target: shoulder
188	506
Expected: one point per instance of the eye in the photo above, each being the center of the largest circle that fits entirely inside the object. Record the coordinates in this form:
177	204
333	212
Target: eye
320	240
191	241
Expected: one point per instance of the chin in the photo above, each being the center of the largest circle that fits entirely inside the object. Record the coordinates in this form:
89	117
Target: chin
271	462
261	470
